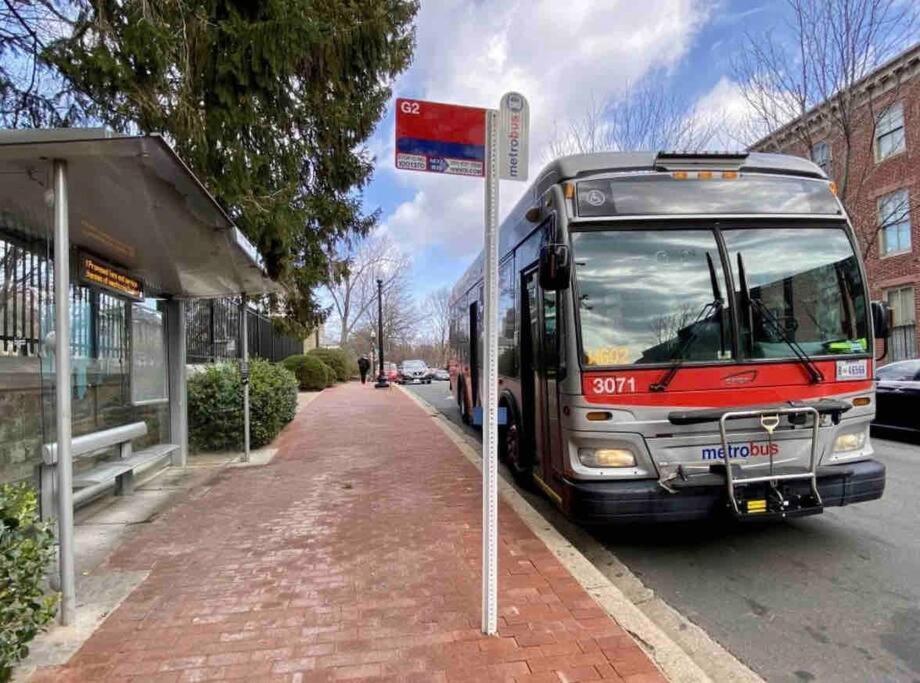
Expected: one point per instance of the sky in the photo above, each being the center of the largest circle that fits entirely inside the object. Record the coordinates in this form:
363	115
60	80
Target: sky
562	55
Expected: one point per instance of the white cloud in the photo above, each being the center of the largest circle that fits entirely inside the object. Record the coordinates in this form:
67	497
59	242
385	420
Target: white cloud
559	53
740	124
725	105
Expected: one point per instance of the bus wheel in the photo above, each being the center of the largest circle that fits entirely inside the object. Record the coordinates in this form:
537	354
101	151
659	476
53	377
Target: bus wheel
511	449
461	403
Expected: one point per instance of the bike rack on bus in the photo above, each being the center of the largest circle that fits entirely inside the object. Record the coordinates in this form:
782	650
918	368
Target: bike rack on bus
769	420
769	415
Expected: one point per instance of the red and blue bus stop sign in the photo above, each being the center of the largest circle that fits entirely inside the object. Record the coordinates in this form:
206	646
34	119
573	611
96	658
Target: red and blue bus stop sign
440	138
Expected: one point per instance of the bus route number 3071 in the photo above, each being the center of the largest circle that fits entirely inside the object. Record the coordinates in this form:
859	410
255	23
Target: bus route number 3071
613	385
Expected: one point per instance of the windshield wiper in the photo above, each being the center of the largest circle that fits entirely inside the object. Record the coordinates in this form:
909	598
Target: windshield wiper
715	306
766	314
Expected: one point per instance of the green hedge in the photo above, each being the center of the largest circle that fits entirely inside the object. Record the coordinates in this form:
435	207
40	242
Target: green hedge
26	549
215	405
341	361
312	373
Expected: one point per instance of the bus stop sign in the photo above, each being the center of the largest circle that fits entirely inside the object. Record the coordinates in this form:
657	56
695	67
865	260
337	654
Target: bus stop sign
446	138
440	138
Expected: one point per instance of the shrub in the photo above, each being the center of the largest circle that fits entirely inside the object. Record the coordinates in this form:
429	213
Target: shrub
339	360
26	549
312	373
330	376
215	405
291	362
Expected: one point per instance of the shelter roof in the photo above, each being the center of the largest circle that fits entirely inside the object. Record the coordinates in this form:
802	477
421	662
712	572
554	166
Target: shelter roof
133	202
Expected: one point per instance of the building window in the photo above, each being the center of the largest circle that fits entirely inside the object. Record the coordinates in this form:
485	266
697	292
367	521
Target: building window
894	223
821	155
889	132
903	342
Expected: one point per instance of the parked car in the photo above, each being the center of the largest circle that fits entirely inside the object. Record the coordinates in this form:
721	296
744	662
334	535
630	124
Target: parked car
392	372
441	375
414	372
897	407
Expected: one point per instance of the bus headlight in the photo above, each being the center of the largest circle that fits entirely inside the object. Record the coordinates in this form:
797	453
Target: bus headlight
850	442
607	457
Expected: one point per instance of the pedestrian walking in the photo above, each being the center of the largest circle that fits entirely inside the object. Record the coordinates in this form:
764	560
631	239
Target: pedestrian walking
363	366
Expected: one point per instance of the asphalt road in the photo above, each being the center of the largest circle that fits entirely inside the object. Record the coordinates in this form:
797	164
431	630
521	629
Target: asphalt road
828	598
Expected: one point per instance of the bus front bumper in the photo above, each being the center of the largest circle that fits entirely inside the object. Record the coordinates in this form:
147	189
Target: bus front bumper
644	500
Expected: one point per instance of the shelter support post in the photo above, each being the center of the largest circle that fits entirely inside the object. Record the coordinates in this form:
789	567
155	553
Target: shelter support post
62	387
176	359
244	373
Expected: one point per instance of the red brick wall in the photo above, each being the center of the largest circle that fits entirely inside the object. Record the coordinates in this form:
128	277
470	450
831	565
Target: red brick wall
869	180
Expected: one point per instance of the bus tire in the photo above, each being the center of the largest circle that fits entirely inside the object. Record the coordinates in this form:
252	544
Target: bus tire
461	401
512	448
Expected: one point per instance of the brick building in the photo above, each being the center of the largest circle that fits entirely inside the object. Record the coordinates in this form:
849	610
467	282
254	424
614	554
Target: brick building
878	178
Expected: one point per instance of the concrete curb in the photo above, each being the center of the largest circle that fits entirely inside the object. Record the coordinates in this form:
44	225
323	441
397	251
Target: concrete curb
674	659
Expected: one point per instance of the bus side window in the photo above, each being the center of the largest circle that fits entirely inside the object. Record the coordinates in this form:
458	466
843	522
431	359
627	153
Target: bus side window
550	336
507	348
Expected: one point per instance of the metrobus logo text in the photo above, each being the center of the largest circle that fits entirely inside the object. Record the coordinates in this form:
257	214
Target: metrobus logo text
745	450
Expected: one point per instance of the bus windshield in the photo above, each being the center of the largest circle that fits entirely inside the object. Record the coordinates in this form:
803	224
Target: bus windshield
661	296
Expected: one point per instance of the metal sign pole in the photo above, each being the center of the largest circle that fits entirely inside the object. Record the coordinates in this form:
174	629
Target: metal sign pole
244	372
62	388
490	386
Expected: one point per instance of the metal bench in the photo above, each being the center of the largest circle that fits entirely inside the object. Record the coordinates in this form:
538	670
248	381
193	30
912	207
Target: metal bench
119	471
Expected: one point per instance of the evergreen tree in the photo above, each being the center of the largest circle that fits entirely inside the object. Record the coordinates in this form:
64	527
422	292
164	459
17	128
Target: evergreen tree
270	102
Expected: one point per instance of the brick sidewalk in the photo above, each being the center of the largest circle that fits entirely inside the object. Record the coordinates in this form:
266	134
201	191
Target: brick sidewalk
354	554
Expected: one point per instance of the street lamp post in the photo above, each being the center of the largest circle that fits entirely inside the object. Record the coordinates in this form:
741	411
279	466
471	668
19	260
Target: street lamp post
381	378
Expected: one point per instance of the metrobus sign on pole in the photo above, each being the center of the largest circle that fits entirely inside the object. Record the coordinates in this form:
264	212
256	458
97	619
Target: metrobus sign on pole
455	140
515	133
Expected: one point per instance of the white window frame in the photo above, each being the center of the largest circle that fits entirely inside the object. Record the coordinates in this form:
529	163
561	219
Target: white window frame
883	218
884	127
898	319
828	159
903	342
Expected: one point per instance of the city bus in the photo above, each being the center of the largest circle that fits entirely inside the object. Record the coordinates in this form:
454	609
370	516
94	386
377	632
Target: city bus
680	335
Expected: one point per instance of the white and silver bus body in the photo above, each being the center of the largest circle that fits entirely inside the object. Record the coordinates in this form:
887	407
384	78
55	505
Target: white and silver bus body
645	386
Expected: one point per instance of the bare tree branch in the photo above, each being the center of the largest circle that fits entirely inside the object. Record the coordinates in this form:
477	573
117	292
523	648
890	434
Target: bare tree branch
819	90
646	117
353	290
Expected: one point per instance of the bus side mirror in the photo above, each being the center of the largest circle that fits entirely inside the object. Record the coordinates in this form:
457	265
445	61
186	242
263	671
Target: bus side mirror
555	267
881	323
881	319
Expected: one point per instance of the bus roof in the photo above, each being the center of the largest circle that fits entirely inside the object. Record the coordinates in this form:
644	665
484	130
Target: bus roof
576	165
582	165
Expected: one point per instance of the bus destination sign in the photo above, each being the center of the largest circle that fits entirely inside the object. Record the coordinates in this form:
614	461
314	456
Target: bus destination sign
100	274
440	138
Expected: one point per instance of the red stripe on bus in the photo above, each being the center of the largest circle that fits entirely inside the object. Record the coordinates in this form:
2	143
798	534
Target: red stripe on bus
717	387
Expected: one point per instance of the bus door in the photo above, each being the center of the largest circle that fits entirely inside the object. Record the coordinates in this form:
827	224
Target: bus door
538	378
474	355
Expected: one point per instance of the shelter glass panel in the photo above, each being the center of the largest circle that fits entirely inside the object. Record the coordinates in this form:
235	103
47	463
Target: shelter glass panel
148	354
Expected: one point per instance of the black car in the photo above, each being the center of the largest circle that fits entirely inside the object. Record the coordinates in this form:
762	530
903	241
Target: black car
898	398
414	372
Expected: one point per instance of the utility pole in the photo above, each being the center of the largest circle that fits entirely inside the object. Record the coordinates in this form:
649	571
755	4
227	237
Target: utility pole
381	378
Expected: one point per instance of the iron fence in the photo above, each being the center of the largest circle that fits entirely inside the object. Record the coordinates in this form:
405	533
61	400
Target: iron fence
213	333
27	306
99	320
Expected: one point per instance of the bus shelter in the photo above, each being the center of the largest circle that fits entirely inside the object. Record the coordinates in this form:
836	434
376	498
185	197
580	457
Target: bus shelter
103	240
